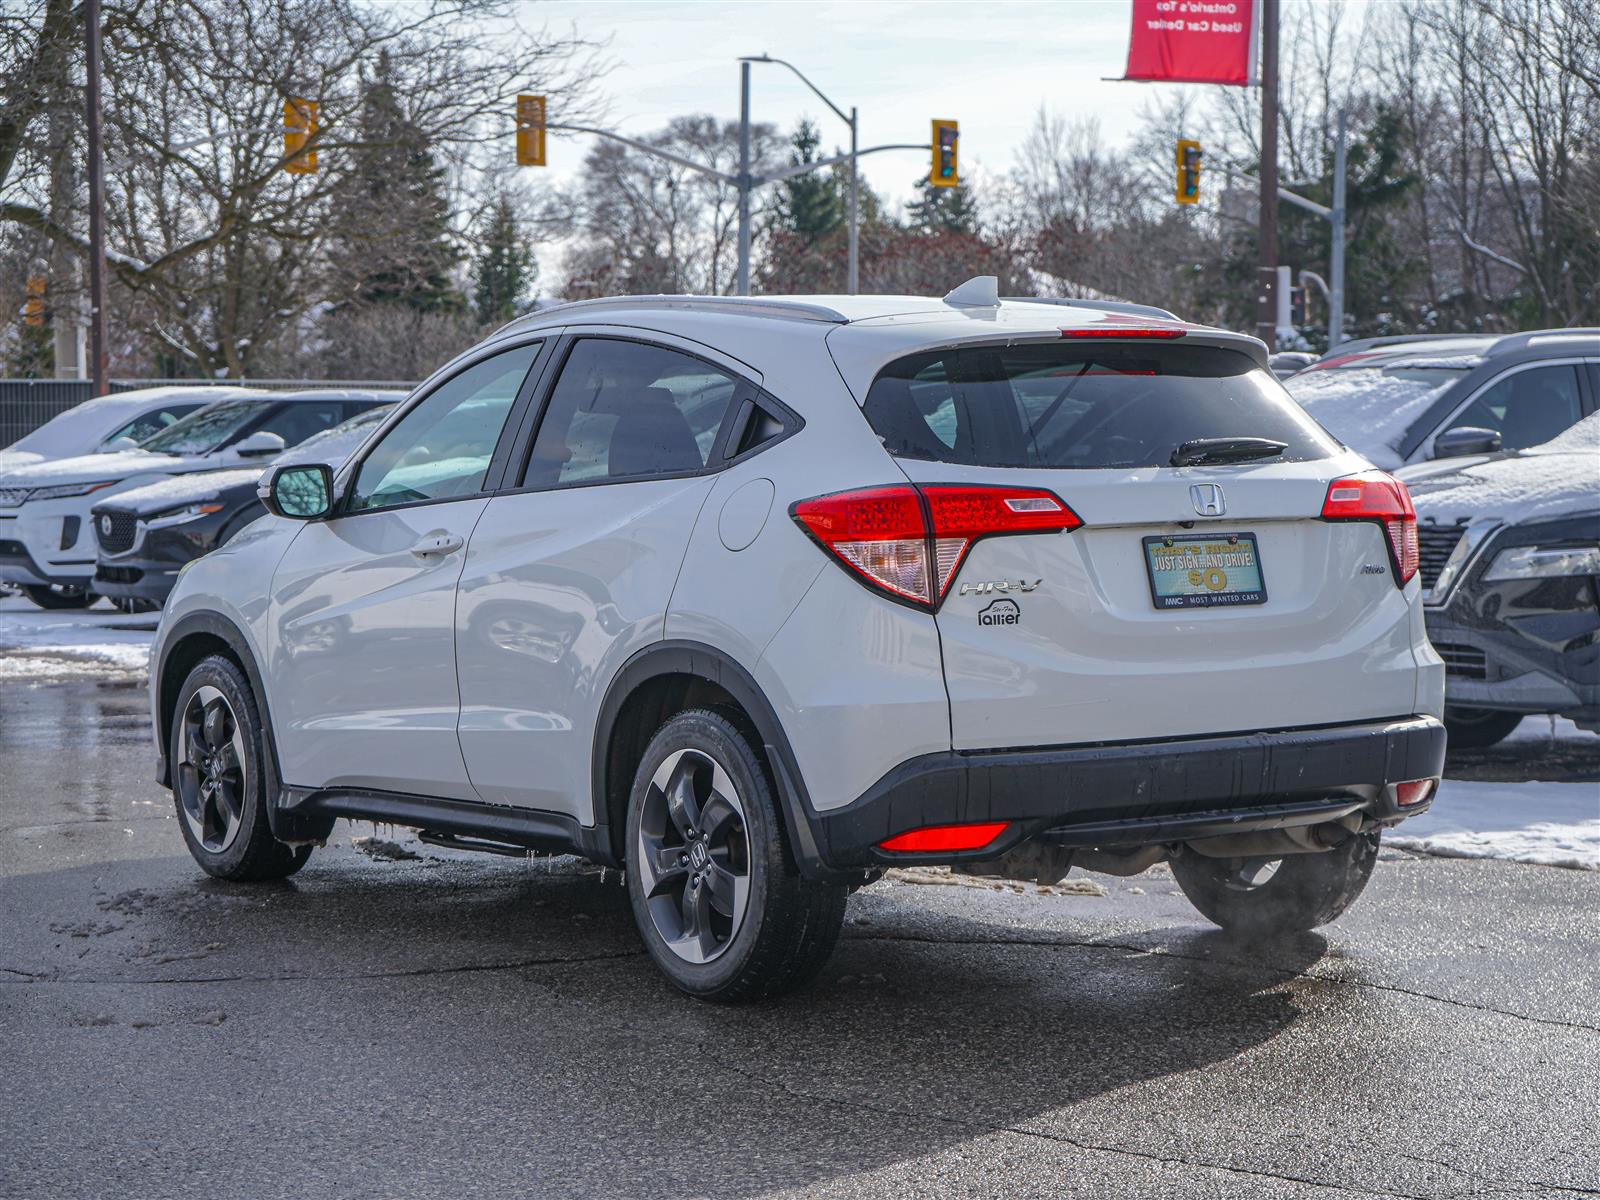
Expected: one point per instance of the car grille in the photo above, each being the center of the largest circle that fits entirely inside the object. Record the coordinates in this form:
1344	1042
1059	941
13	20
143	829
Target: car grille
1467	662
1434	545
11	497
115	531
118	574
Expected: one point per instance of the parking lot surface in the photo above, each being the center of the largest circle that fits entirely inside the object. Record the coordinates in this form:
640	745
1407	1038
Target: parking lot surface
399	1020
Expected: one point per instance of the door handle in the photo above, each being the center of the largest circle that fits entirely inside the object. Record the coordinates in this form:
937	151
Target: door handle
438	543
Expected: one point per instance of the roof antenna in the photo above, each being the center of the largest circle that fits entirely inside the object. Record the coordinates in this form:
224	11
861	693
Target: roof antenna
981	291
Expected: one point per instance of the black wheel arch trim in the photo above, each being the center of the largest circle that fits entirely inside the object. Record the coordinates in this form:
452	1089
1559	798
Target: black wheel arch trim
698	660
285	826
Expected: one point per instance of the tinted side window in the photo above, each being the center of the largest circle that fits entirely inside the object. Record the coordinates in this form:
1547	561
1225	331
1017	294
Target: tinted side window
442	447
1526	407
1079	406
297	421
624	410
147	425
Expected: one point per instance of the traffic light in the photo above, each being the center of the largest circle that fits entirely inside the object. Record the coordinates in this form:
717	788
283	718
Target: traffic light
33	306
299	123
945	172
530	131
1188	171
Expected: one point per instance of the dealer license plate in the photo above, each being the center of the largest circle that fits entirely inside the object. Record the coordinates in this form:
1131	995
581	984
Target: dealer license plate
1196	570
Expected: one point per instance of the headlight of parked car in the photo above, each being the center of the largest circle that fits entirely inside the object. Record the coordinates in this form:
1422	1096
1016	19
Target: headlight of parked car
61	491
1543	562
177	516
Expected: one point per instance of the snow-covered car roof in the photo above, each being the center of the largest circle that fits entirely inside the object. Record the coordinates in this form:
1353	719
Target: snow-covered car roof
84	426
1560	478
1370	409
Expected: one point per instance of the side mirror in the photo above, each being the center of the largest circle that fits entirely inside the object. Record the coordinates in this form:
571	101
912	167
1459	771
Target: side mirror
1466	439
301	491
117	444
259	444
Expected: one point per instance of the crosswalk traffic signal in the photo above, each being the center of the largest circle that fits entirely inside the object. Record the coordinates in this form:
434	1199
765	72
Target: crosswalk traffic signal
945	171
1188	190
299	123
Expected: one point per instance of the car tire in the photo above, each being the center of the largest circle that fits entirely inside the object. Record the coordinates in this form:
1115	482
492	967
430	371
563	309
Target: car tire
720	905
218	777
57	596
1479	728
1301	892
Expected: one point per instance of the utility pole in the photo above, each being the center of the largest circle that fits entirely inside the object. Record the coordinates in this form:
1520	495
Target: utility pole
1267	238
1336	244
97	201
742	280
855	211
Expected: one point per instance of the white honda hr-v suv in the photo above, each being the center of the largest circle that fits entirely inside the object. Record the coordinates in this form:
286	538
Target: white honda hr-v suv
756	598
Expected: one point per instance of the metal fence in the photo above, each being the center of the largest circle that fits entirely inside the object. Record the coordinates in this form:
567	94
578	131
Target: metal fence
26	404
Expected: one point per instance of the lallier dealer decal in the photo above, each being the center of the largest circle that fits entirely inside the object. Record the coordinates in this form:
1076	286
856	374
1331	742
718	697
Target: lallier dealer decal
1003	611
1000	612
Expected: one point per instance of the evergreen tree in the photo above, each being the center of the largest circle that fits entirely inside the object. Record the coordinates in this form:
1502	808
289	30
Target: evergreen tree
34	354
412	253
943	208
504	269
812	206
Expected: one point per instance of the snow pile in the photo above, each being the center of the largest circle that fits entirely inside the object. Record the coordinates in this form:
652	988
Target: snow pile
1552	824
40	645
1365	408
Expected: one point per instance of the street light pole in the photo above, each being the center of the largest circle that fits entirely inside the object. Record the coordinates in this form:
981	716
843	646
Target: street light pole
855	131
855	223
97	201
1336	247
742	282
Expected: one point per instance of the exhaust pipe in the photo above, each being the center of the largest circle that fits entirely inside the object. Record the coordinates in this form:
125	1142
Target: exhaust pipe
1275	843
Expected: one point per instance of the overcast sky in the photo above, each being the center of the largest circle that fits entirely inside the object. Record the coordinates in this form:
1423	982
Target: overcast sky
988	65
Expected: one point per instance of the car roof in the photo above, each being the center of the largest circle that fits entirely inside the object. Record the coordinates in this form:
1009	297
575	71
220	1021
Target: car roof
864	333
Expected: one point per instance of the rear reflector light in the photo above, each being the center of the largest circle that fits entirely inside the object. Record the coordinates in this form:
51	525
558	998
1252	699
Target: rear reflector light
910	541
1379	497
934	839
1125	331
1415	792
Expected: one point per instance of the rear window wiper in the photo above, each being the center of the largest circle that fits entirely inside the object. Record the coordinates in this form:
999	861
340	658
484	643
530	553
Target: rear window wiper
1225	450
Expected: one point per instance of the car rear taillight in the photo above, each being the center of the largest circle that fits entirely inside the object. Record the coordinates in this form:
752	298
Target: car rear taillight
1380	497
909	541
937	839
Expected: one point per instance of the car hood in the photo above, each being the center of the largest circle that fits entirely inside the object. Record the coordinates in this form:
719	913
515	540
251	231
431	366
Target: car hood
193	488
11	460
1424	473
1533	485
91	468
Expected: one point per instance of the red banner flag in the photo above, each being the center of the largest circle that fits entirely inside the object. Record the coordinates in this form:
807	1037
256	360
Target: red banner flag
1193	41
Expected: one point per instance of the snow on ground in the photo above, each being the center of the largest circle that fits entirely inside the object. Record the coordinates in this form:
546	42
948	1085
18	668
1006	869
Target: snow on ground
1554	824
39	646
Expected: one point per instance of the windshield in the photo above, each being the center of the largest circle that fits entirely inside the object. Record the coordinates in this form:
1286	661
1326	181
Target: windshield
1370	409
1076	406
204	431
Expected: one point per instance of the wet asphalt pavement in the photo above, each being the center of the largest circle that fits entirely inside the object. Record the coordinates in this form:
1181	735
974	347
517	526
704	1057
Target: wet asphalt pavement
452	1025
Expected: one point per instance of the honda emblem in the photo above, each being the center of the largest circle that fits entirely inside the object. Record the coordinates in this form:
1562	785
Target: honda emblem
1208	499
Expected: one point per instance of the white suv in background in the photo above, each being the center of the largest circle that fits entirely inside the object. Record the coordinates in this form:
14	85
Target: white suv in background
755	598
47	548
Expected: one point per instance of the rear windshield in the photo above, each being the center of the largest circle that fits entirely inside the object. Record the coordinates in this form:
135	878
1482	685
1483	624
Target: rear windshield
1112	405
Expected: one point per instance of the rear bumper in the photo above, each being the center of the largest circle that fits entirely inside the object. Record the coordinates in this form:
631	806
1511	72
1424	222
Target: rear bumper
1144	793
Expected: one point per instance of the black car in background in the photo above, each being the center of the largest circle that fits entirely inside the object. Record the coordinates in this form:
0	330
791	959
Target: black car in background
146	535
1510	564
1404	401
